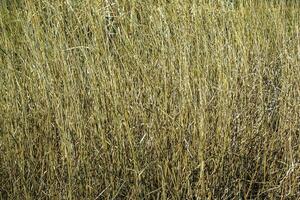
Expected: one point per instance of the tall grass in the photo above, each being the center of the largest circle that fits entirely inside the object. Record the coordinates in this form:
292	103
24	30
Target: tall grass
149	99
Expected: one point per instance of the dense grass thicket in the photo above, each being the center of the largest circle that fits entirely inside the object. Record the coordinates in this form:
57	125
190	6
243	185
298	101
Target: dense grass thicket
151	99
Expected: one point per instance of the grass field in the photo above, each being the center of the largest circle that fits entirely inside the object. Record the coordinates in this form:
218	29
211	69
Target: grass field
152	99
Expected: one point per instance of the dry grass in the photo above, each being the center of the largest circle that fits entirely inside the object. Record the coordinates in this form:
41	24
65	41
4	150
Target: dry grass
149	99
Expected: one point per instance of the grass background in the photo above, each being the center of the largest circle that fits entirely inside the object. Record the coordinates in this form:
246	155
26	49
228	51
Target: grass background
151	99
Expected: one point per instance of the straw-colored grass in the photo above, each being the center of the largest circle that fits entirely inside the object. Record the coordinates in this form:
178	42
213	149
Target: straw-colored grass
149	99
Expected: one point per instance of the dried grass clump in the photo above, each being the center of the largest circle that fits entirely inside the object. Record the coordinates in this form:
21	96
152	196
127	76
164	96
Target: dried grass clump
149	99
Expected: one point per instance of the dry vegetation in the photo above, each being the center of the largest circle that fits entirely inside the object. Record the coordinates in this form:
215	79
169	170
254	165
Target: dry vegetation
151	99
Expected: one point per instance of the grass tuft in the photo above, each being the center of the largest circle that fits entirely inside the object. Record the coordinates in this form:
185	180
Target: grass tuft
149	99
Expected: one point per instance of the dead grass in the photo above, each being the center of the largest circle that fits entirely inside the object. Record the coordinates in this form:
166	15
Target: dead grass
149	99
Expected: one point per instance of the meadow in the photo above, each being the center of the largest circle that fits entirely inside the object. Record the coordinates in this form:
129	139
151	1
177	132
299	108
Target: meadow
152	99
